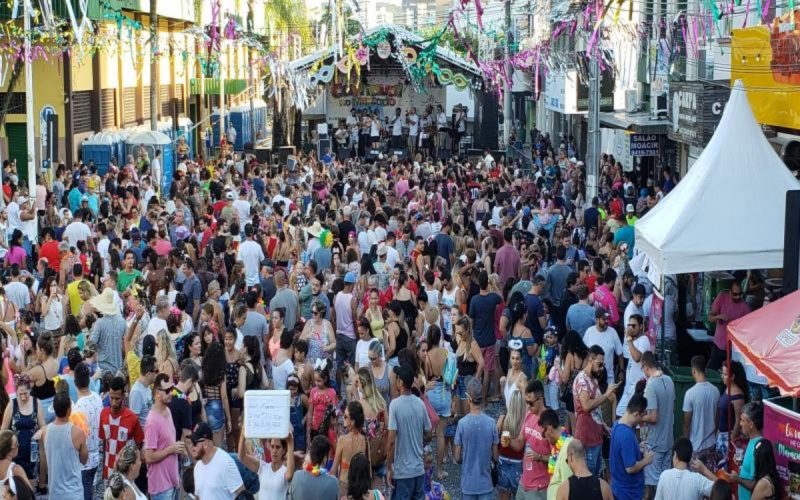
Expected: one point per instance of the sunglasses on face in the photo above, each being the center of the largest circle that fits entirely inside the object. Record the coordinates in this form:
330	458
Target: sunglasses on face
166	390
533	403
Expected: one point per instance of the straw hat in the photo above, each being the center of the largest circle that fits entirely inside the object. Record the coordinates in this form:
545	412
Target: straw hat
315	229
104	303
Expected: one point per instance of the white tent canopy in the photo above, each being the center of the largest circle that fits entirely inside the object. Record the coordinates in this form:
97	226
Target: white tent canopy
728	212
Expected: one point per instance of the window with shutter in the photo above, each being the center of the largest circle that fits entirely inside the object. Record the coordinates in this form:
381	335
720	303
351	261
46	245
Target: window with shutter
108	101
164	89
179	95
17	104
129	106
82	111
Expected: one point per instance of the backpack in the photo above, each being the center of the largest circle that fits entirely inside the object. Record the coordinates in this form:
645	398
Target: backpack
249	478
376	444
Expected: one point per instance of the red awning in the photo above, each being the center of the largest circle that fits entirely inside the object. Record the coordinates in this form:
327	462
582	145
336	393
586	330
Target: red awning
770	340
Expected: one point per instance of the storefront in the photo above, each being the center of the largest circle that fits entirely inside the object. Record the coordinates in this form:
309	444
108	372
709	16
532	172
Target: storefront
638	142
566	102
695	113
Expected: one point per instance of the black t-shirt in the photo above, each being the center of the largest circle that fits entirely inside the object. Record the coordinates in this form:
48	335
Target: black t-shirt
344	229
591	216
215	188
181	415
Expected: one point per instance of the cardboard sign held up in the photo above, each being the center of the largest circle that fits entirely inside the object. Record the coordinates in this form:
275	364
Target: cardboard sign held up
291	163
266	414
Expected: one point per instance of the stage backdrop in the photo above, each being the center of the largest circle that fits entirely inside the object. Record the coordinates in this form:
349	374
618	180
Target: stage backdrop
381	95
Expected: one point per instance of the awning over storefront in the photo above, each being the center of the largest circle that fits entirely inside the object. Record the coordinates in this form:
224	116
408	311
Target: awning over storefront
639	123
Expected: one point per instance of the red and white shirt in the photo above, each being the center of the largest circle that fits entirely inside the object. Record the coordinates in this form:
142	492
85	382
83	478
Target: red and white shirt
116	432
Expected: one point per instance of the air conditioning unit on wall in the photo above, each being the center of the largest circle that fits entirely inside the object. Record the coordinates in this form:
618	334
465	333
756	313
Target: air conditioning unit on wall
631	100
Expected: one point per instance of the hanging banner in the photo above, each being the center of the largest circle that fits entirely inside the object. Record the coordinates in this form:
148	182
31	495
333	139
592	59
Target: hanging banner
766	59
782	428
654	318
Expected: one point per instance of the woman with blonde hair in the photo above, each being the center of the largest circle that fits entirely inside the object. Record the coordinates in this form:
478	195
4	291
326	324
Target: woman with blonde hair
86	291
121	483
165	355
510	462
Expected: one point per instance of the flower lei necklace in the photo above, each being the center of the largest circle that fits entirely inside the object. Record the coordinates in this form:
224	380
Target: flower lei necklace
316	470
554	450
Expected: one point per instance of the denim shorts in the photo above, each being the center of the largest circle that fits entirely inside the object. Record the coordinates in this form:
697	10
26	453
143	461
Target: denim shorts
439	397
461	386
509	472
215	414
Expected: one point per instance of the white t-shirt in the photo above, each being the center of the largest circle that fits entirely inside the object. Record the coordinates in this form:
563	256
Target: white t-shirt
362	352
630	310
14	220
155	168
609	342
18	294
243	207
218	479
634	372
272	484
397	126
441	121
682	483
251	255
76	231
413	127
280	373
91	406
102	249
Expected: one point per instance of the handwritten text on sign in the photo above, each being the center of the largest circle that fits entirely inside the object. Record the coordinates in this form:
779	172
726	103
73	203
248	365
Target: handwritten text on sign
266	414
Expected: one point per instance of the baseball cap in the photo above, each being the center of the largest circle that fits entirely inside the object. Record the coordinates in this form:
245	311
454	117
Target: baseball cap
229	195
406	375
136	234
475	390
601	313
350	277
629	209
201	432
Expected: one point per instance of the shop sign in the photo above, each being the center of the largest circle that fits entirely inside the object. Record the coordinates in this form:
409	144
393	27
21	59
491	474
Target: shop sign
696	111
654	318
566	93
644	145
782	428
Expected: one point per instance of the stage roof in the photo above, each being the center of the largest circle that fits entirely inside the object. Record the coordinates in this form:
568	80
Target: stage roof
411	39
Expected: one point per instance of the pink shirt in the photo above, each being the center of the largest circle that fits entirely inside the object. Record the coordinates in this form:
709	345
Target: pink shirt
159	433
401	188
537	478
725	305
605	297
17	256
507	263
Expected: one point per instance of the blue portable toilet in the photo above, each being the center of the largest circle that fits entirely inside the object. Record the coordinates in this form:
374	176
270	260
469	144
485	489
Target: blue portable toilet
260	117
214	122
152	141
121	137
185	131
240	119
98	148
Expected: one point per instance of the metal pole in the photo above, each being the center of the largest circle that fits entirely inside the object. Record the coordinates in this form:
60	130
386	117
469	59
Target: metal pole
29	111
222	55
154	81
508	115
250	84
593	143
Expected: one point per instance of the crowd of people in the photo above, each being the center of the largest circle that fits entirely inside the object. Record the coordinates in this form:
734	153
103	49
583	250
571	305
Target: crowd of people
425	317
